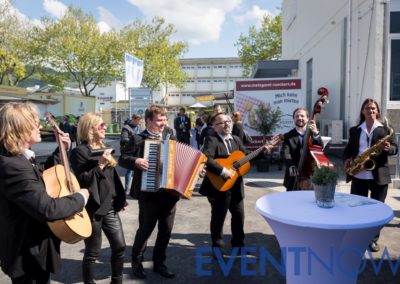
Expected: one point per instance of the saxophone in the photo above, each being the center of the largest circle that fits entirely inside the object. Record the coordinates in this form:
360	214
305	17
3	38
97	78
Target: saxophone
364	161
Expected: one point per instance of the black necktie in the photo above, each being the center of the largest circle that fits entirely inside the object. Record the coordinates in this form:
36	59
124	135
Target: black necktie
32	160
228	143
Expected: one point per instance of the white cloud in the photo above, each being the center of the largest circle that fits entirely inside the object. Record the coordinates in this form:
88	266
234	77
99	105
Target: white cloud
254	15
55	8
195	21
107	19
103	27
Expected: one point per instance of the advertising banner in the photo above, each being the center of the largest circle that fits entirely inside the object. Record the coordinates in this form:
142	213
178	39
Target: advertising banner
283	93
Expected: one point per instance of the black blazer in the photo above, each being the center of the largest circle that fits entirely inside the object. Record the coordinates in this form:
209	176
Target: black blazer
291	152
214	148
105	187
186	122
135	150
25	209
381	172
237	130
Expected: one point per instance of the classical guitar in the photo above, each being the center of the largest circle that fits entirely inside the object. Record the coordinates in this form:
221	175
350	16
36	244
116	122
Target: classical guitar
61	182
239	163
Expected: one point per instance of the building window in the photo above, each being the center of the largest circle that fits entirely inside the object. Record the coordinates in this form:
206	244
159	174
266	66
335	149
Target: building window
395	22
395	70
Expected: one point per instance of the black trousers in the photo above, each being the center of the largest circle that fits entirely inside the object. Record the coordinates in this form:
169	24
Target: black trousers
219	208
33	277
154	207
364	186
111	225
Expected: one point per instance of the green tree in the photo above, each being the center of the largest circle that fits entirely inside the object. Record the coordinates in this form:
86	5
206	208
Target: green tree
152	43
18	45
262	44
78	51
267	119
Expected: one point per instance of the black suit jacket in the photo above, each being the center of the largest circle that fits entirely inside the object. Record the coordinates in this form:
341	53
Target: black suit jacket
182	132
292	151
381	172
105	187
25	208
214	148
135	150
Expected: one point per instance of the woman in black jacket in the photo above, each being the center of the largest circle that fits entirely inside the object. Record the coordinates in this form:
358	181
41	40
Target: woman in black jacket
107	195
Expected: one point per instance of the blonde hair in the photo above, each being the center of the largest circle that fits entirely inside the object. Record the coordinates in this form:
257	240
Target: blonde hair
17	121
85	127
85	130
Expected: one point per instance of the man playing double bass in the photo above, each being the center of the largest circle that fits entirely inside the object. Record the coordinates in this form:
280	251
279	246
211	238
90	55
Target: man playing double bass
293	147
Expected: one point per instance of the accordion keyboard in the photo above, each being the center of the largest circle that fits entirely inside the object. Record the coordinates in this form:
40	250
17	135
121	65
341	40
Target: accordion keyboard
150	178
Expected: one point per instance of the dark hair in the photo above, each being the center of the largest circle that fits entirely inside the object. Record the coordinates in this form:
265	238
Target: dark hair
301	108
212	119
136	116
182	109
153	110
366	102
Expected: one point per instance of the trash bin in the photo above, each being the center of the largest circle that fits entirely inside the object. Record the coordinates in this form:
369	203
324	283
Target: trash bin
116	128
109	129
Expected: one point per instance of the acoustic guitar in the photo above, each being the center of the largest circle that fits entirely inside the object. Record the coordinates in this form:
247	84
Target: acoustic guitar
239	163
61	182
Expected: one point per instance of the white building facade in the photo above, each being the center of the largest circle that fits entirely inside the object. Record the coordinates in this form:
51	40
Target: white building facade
207	77
351	47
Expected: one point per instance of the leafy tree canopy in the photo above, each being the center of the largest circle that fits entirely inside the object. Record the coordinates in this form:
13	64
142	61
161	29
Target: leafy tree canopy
262	44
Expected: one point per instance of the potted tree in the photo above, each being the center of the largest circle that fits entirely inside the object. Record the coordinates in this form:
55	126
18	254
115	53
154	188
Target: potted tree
324	182
266	121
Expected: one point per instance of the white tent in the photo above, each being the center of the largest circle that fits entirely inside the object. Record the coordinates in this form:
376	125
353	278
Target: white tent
198	105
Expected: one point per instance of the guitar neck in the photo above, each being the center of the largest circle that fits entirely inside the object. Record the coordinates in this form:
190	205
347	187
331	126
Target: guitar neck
249	157
63	152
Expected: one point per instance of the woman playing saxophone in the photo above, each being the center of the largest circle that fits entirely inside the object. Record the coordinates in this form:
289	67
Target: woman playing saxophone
366	156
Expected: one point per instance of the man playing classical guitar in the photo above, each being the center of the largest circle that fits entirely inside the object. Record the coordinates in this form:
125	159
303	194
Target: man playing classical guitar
220	145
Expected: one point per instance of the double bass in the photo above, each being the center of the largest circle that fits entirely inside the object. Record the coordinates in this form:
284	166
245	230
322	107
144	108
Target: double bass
312	155
61	182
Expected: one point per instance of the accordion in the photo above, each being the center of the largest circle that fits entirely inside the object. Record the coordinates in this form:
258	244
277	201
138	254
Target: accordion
173	166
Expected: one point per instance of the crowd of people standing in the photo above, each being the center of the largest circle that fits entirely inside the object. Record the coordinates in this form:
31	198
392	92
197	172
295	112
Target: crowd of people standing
103	195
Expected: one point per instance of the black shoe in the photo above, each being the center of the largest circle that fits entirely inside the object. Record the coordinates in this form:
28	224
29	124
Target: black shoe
374	247
138	270
163	271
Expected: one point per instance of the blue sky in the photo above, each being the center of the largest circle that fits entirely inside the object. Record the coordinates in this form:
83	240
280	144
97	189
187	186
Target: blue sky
210	27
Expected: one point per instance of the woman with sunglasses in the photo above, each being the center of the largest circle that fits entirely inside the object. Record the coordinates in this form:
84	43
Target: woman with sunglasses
107	195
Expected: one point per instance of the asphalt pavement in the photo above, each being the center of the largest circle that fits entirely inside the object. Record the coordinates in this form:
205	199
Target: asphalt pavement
188	256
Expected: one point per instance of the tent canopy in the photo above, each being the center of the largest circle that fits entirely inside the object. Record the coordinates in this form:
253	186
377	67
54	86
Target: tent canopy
198	105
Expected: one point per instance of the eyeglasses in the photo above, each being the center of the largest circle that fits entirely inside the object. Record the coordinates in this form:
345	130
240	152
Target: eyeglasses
226	122
101	126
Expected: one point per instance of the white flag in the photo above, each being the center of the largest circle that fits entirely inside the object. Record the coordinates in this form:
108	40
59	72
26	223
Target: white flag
133	71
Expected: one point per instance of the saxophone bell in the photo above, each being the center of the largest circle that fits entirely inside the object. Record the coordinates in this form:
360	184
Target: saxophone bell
369	164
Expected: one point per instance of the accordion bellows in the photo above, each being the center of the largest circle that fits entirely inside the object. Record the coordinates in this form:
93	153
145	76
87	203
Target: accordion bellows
173	166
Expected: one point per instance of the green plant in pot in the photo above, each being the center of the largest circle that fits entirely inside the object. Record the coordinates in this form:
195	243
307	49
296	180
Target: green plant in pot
266	121
324	182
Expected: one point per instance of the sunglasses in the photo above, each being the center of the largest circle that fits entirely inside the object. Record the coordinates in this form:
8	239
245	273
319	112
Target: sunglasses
101	126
